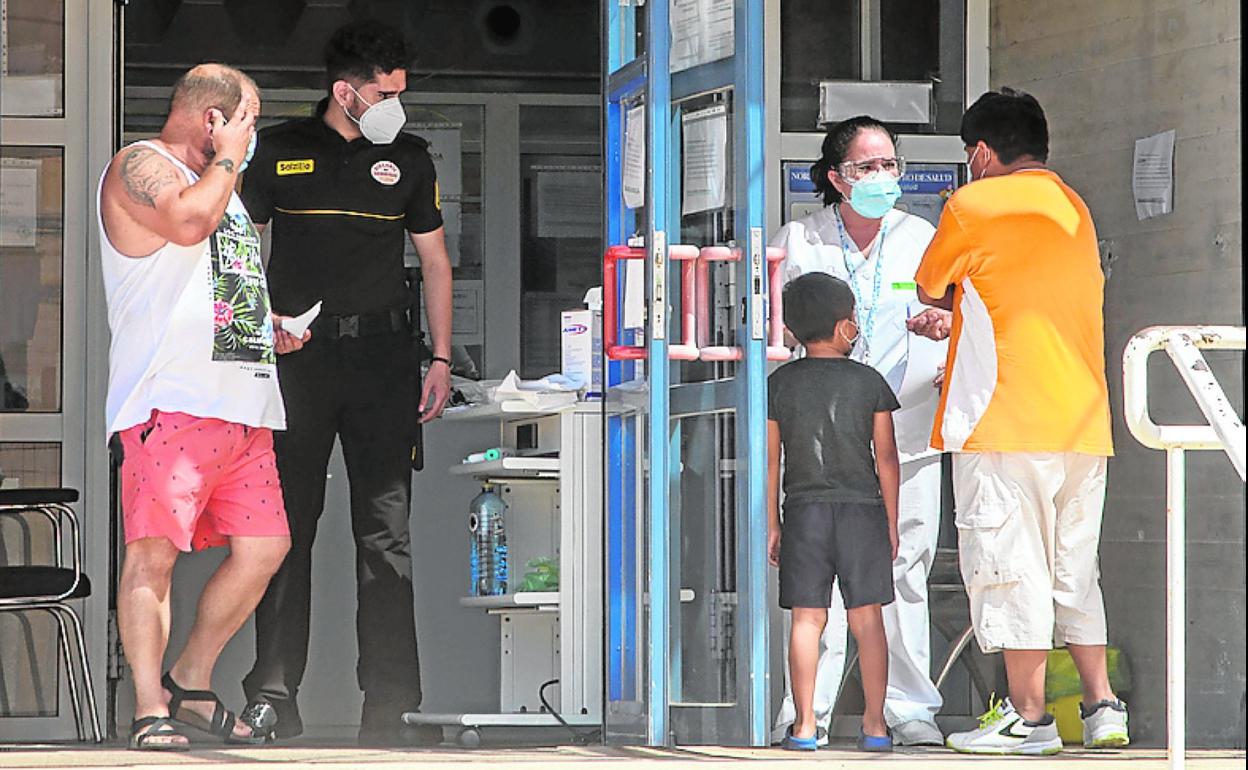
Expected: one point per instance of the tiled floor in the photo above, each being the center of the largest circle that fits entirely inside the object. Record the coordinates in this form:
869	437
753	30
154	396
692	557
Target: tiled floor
559	758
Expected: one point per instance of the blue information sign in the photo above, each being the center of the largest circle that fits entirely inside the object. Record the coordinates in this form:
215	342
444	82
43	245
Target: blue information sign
930	181
799	179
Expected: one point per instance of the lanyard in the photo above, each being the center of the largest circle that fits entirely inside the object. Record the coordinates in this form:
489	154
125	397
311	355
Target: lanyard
868	327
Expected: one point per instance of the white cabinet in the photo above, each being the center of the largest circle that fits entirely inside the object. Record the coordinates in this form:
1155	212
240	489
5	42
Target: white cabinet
551	477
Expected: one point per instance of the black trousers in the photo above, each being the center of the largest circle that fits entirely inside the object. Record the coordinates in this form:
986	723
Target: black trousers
361	390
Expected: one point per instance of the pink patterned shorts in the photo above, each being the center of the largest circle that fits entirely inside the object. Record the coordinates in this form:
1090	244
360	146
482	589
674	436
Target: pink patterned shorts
199	481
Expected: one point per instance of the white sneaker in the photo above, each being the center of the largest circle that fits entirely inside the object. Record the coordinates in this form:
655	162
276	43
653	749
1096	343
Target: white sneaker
1002	730
1105	725
917	732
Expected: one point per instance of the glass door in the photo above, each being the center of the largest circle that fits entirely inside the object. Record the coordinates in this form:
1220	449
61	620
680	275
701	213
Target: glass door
685	339
55	136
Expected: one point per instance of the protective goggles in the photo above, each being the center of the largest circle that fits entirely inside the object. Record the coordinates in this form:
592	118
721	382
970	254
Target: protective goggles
853	170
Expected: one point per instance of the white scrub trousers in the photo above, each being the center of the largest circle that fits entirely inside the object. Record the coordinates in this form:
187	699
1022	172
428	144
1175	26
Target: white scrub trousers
911	693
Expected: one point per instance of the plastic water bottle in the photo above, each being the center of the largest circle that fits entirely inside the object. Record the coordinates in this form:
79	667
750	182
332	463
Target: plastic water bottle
487	544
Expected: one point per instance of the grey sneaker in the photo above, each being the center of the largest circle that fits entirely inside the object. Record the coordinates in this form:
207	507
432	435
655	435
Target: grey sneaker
1002	730
917	732
1105	725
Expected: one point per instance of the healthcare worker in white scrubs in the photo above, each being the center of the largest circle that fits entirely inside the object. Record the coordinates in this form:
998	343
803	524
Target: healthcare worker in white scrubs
862	239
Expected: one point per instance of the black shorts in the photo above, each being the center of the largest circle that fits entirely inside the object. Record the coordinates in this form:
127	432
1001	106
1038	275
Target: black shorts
825	542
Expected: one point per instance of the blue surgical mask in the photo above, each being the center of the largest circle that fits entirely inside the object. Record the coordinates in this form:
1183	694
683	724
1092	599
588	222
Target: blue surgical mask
874	195
251	150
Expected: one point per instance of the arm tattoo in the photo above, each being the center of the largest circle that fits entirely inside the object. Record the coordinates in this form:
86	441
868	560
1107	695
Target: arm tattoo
145	174
226	164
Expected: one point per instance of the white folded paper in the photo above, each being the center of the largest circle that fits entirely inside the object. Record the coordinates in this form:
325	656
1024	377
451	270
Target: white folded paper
300	323
545	393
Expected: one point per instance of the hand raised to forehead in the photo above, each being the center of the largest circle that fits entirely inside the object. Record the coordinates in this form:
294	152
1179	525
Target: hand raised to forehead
230	138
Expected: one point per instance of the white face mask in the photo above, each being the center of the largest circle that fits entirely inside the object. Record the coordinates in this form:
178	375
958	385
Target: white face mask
972	170
844	336
382	121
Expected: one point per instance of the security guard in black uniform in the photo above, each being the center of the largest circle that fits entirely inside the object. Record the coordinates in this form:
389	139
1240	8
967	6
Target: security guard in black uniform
343	189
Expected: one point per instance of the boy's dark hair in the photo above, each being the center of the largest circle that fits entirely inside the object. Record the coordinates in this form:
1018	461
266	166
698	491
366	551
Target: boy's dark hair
1011	122
835	146
814	304
362	49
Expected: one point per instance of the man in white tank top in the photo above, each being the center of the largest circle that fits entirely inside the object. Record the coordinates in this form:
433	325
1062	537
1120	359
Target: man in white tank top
192	395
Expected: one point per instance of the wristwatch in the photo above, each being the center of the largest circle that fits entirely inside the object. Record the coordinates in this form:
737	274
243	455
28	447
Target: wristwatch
443	359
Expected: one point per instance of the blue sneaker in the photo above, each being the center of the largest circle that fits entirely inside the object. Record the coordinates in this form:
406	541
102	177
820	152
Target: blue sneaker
793	743
876	744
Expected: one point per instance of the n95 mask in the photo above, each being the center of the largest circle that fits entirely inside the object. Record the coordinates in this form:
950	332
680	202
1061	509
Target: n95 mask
381	122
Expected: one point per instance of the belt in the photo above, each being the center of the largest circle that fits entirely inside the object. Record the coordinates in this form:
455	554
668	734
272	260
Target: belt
361	325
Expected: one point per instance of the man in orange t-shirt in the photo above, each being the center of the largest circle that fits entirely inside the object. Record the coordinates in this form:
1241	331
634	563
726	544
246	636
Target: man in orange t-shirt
1025	409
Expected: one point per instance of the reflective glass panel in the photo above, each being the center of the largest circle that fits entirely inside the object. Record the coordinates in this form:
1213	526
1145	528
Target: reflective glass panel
560	226
31	289
32	58
704	526
819	41
926	41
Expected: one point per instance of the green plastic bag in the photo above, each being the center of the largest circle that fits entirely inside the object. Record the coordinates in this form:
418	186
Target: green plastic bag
1061	678
543	575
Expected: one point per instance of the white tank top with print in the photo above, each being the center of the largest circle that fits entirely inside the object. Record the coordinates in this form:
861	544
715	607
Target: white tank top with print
191	330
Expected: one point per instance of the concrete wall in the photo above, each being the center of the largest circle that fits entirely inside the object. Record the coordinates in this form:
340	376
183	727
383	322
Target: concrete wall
1107	73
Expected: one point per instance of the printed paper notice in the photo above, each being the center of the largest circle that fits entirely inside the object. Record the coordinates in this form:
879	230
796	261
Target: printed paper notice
683	16
467	313
19	202
568	201
702	32
704	150
445	148
634	294
634	182
467	318
1152	175
718	30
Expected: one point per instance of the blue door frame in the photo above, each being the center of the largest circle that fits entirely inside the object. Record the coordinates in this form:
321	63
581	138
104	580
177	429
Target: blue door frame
643	652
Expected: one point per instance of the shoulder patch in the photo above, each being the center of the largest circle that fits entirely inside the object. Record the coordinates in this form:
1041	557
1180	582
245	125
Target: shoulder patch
301	166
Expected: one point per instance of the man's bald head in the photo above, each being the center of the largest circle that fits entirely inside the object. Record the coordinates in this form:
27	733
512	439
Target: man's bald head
211	86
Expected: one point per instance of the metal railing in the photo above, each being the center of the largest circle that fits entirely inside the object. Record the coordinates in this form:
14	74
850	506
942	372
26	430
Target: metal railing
1223	430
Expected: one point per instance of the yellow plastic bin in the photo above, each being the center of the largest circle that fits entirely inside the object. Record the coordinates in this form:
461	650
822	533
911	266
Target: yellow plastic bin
1063	693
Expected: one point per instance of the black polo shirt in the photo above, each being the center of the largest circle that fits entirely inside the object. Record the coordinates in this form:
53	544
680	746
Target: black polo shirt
340	214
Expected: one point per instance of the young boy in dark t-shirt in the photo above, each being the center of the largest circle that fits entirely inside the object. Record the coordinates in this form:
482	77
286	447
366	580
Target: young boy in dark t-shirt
840	497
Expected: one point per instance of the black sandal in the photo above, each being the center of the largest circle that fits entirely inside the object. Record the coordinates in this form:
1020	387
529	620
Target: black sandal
222	722
157	727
